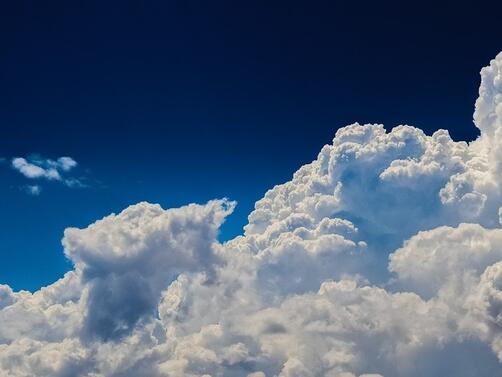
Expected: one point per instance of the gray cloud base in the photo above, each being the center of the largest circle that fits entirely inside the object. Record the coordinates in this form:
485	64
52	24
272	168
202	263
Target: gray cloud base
380	258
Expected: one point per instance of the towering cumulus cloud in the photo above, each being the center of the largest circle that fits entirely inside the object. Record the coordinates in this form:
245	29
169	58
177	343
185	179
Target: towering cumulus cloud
383	257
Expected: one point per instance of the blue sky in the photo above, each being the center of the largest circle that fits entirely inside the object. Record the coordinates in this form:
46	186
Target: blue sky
179	102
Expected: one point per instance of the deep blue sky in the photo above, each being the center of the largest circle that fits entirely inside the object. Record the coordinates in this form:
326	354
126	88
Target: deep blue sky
182	101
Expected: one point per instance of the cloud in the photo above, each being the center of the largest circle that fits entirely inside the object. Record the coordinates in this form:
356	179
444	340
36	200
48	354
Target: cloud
127	260
65	163
34	170
43	168
380	258
34	190
52	170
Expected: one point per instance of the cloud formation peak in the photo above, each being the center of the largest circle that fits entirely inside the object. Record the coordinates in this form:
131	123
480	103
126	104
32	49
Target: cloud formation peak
380	258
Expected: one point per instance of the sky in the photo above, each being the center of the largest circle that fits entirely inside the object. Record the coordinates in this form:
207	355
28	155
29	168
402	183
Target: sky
185	101
262	189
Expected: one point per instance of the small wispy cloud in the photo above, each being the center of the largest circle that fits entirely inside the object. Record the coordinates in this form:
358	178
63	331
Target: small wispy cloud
34	190
43	168
31	170
36	167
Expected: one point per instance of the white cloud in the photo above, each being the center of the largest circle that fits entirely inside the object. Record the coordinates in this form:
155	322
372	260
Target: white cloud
52	170
65	163
380	258
127	260
35	170
34	190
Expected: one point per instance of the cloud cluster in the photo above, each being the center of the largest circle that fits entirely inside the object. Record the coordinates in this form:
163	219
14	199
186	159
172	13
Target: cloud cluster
41	168
383	257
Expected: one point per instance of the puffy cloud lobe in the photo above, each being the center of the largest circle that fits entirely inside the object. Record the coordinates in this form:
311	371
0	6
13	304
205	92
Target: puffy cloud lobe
487	114
6	296
126	260
65	163
432	260
40	168
380	258
486	307
30	170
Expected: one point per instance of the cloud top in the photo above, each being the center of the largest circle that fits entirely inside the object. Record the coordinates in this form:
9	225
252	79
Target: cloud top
380	258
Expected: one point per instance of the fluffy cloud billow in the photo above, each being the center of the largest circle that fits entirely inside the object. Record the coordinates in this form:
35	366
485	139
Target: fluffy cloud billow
383	257
43	168
39	168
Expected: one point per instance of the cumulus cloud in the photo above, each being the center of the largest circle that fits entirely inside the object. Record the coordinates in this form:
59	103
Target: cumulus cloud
43	168
380	258
40	168
127	260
